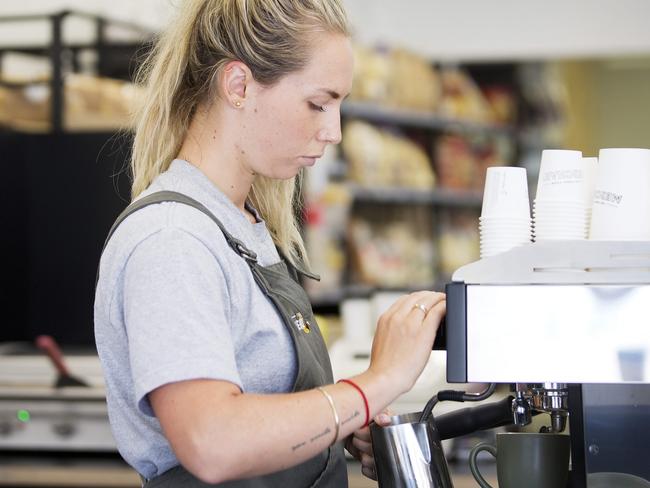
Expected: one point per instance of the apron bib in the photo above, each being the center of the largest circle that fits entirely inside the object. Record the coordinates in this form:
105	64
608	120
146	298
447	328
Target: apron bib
280	283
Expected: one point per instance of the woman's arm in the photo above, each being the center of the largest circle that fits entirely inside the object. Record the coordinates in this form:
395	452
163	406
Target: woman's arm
219	434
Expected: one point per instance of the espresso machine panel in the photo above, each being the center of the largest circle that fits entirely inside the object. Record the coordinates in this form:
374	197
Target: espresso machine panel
567	323
567	333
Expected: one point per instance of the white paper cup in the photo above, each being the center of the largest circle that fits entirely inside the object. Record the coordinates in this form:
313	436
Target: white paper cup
563	176
490	236
506	193
621	205
560	238
506	225
560	204
561	233
504	220
500	236
562	221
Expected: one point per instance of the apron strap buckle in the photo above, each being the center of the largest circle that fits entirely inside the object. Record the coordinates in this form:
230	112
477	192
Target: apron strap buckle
242	250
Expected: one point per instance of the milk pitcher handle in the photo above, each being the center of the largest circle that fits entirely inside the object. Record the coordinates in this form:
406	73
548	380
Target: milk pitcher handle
472	462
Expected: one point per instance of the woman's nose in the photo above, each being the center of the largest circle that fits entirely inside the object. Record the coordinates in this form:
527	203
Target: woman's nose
331	132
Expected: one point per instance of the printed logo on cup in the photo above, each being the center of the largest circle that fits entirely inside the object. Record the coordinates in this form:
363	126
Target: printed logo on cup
563	176
608	198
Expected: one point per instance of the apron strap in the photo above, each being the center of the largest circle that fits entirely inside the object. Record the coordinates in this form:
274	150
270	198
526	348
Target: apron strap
294	270
238	246
172	196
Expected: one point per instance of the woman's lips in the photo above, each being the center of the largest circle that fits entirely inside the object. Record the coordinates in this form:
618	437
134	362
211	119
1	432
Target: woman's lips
309	160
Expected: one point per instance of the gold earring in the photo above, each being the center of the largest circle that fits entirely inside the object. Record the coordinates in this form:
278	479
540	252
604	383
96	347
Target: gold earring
237	103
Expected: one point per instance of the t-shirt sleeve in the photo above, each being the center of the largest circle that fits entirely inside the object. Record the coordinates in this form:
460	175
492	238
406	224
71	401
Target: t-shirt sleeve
176	311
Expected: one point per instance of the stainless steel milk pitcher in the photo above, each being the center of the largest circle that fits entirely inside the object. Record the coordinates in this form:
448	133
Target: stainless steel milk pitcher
408	454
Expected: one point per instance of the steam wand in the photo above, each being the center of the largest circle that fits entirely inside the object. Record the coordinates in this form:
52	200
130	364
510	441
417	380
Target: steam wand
455	396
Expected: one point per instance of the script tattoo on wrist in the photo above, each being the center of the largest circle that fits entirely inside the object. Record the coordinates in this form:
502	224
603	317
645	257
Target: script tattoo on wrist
353	416
316	437
298	446
312	439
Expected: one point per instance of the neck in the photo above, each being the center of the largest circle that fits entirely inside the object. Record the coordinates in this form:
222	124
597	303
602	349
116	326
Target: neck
212	148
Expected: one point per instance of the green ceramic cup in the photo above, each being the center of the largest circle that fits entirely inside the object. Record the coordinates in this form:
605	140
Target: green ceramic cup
526	459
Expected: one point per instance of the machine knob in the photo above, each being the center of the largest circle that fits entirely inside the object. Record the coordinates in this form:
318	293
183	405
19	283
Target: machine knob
64	429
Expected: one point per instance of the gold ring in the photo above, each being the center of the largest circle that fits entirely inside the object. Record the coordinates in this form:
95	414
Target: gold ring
421	307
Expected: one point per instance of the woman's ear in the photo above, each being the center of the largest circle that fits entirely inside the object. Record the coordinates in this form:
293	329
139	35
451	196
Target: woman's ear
234	79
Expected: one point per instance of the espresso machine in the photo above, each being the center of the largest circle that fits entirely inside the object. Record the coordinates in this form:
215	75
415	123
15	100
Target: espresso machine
567	324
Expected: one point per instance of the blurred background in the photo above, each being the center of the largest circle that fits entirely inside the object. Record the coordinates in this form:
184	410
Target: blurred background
442	90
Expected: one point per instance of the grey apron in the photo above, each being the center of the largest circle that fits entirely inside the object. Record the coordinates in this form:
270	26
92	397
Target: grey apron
280	283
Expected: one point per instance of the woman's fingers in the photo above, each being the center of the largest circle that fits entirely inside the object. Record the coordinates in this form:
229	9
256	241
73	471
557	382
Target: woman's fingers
363	434
422	303
363	446
435	314
352	449
369	472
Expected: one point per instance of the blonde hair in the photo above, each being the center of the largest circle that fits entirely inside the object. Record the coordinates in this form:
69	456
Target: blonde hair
272	37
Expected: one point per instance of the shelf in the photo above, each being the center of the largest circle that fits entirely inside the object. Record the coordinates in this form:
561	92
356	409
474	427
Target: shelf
442	197
419	119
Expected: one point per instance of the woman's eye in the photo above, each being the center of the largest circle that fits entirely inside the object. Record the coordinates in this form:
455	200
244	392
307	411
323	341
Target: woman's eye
320	108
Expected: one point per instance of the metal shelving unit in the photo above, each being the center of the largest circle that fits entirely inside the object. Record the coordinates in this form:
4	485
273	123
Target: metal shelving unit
441	197
113	58
419	119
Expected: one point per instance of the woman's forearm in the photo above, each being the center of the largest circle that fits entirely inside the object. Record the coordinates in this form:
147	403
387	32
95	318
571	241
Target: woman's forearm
250	435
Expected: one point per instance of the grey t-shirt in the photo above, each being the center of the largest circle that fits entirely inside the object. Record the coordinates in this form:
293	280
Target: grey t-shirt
174	302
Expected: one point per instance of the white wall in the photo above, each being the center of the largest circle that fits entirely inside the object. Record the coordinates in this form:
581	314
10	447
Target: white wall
506	29
451	29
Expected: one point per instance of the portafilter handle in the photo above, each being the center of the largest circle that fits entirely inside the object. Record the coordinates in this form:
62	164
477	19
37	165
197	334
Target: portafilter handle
468	420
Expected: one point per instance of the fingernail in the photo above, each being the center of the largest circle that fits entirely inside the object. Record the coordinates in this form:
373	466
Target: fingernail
382	418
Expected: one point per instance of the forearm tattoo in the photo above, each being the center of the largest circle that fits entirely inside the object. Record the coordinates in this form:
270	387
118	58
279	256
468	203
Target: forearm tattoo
316	437
325	432
312	439
351	417
298	446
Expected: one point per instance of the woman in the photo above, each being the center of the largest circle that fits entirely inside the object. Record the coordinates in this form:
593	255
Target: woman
215	370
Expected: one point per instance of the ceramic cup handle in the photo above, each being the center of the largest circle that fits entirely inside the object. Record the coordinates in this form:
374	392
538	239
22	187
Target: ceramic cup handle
472	462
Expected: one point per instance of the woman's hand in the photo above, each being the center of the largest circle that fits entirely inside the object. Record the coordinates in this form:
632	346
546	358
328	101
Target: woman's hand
359	444
404	338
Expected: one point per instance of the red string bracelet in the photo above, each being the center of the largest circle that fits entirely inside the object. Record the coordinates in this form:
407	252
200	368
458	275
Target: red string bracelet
363	395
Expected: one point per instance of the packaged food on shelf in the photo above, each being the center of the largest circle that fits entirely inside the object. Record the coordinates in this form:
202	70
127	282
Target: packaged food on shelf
98	102
502	102
91	103
395	77
25	108
414	82
458	240
325	217
394	248
461	161
462	98
371	75
378	158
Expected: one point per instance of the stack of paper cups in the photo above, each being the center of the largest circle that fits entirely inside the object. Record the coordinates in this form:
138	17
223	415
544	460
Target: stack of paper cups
621	204
505	216
562	207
